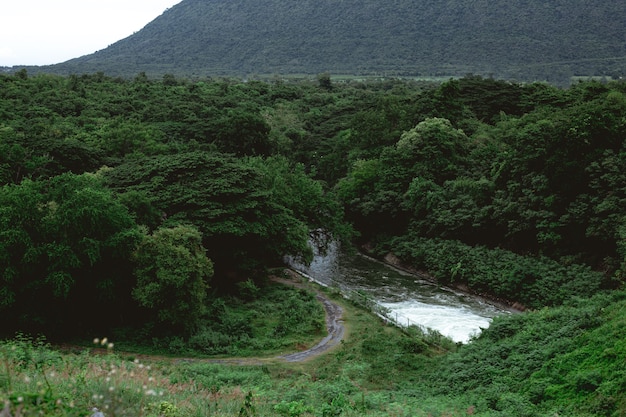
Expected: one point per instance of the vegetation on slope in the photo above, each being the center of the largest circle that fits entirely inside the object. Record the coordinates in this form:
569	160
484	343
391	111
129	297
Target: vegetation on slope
566	360
166	201
514	40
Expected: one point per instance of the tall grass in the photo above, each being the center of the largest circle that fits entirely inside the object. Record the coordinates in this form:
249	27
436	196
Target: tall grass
352	380
566	360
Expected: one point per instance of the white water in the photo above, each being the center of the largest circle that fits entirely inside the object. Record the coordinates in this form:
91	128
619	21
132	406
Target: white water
409	299
457	323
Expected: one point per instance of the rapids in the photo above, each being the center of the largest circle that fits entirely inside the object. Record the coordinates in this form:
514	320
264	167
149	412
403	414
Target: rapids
409	299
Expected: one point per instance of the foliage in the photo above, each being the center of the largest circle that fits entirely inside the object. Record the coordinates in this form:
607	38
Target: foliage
535	170
562	360
172	276
515	40
436	146
247	218
276	318
513	190
551	361
533	282
66	245
533	184
47	382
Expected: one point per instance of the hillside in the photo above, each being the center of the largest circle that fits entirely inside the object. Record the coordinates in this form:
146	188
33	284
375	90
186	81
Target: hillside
153	212
522	39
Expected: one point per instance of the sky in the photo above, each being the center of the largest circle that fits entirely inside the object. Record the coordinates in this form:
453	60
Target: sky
42	32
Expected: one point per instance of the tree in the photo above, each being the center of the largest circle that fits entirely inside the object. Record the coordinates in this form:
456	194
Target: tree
17	160
65	246
435	149
324	81
173	274
305	199
242	132
247	219
459	209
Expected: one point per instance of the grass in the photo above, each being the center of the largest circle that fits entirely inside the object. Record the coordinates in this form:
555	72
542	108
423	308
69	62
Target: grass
38	380
278	319
524	365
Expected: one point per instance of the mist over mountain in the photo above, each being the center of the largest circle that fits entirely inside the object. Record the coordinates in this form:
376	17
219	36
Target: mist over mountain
519	39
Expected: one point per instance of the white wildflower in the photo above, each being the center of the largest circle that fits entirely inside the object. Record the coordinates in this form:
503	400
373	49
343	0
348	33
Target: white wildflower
96	413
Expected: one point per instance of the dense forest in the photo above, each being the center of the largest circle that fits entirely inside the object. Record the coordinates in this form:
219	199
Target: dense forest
139	207
522	40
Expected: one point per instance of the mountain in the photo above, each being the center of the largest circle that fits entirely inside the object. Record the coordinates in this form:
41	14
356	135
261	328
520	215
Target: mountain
524	39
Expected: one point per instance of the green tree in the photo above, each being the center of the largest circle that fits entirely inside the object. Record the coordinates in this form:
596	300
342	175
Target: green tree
306	199
65	246
435	148
250	214
242	132
324	81
173	274
17	160
460	209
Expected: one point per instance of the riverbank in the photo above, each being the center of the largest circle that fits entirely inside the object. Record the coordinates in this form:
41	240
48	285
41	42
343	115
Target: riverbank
402	296
392	260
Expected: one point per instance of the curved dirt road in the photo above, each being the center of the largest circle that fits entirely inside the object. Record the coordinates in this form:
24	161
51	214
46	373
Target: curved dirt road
335	328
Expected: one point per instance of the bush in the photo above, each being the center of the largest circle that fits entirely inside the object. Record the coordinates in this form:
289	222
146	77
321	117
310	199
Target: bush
210	342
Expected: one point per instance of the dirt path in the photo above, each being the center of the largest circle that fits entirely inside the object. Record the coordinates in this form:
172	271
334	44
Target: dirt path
334	323
335	328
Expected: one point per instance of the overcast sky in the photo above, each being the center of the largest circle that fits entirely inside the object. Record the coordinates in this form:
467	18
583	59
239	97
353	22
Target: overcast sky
40	32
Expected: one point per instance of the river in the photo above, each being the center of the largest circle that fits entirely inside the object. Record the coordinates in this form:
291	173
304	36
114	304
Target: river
409	299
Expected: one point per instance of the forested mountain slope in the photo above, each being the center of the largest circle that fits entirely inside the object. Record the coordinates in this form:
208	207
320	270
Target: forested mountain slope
521	39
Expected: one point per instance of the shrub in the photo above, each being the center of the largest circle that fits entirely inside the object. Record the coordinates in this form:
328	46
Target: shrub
533	281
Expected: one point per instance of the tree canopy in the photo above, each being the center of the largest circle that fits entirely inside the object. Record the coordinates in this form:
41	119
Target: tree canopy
125	192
